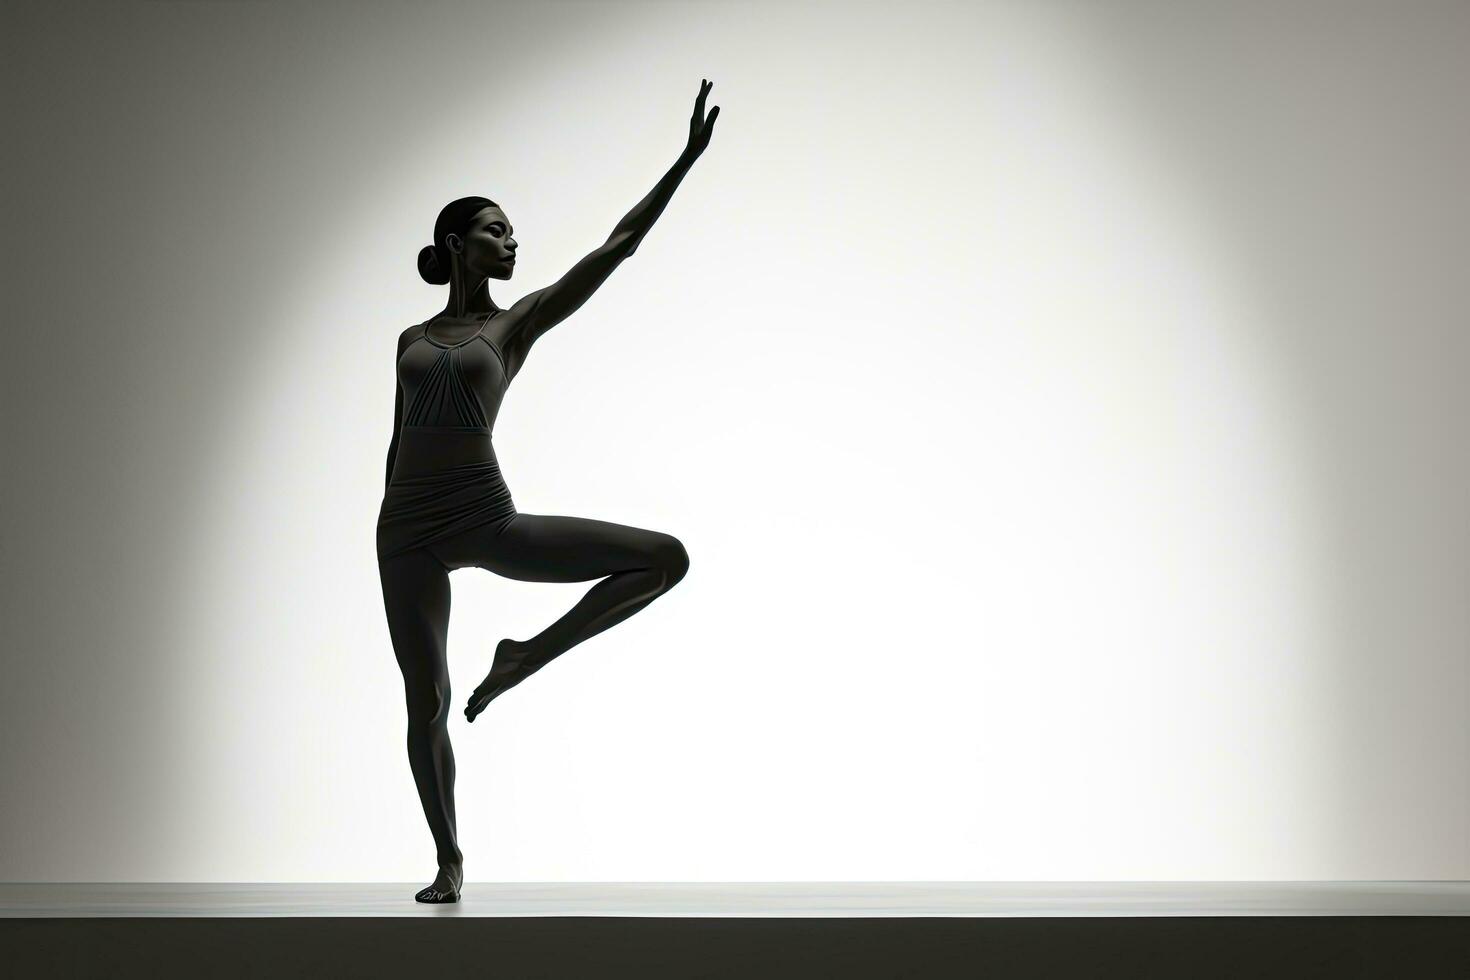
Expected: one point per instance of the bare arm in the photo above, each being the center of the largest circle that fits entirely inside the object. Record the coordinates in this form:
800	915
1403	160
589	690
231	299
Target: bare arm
393	444
537	312
403	342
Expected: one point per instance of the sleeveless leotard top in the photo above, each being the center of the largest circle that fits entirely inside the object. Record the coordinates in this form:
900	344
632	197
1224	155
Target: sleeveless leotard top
459	385
446	478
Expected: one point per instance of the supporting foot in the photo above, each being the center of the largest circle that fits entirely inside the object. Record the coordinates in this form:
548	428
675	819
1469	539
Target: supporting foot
445	888
508	670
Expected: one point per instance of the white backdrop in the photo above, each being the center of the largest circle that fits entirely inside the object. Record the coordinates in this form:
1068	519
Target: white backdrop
1059	404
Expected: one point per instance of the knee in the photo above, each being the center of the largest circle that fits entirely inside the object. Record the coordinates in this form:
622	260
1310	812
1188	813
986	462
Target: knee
672	560
428	704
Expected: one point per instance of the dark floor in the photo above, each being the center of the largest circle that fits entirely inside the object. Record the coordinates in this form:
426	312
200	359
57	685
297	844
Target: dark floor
1196	948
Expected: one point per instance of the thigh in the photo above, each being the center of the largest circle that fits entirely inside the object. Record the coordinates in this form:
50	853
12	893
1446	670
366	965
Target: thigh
416	599
552	548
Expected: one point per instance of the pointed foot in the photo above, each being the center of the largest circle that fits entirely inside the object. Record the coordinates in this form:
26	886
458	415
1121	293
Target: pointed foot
507	671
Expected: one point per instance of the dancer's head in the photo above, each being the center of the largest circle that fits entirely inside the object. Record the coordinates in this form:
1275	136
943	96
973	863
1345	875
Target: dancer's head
473	234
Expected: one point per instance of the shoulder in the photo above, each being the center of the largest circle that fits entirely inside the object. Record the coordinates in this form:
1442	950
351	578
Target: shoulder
508	323
408	336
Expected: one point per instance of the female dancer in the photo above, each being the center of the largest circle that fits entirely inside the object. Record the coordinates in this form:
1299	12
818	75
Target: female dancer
446	505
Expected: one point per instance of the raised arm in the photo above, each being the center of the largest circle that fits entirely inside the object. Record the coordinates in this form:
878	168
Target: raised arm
539	311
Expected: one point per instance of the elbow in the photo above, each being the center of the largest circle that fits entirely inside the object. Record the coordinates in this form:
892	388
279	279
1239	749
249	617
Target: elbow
624	243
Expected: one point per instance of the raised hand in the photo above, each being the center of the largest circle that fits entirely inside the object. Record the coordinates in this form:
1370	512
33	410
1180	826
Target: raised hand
700	125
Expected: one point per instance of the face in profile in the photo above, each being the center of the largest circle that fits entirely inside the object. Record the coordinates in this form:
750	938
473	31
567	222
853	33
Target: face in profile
489	250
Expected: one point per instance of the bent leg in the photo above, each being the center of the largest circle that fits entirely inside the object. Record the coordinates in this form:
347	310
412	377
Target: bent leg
636	565
416	597
639	566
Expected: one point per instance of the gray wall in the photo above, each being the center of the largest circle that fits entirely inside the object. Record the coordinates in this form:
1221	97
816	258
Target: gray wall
1087	495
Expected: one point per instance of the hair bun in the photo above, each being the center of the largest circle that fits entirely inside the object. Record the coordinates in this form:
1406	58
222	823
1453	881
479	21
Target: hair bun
432	266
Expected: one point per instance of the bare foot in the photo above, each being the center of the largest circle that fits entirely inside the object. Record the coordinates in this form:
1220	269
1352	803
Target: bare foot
508	670
445	888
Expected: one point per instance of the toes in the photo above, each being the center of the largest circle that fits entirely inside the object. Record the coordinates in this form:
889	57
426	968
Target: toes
434	896
488	692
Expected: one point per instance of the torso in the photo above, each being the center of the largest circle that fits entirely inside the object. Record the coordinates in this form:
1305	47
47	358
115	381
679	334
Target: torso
452	384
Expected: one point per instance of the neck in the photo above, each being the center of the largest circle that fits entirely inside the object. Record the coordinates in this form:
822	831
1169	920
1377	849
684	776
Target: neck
469	295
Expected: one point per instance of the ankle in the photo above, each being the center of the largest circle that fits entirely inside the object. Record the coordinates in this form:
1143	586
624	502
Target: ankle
516	655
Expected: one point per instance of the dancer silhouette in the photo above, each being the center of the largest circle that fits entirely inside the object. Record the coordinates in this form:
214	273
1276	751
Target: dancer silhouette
446	505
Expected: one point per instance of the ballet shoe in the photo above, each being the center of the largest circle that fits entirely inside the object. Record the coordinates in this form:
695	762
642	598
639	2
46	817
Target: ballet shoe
432	895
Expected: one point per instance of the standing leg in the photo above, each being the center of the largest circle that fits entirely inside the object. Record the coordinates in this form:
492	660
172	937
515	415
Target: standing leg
416	597
636	566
